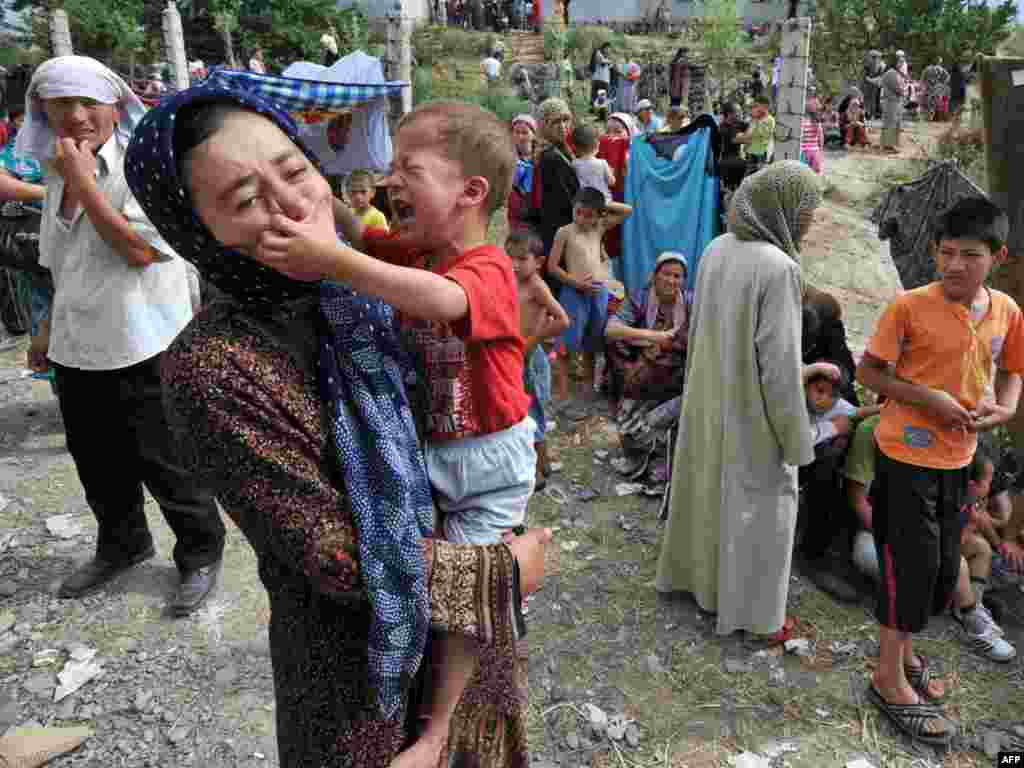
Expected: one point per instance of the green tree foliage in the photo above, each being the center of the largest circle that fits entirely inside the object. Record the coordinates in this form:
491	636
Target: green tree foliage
291	29
114	30
721	31
926	29
109	30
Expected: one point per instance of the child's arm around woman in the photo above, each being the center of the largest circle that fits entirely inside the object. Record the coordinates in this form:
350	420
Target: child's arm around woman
309	250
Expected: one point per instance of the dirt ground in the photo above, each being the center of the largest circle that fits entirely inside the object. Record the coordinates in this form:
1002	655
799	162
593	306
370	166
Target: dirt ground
198	691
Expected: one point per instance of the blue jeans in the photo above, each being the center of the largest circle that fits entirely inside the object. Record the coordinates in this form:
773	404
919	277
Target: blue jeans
588	314
537	383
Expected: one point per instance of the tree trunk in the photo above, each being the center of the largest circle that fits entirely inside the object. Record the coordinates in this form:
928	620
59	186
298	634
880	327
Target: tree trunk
1003	100
225	23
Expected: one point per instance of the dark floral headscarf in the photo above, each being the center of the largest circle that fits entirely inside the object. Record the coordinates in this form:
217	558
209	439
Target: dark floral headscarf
151	170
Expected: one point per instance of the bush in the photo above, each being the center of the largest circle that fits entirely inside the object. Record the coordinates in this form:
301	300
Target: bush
462	42
554	43
583	39
422	85
424	44
503	102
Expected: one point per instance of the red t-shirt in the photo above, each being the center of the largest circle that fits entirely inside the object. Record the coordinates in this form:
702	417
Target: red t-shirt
473	367
616	152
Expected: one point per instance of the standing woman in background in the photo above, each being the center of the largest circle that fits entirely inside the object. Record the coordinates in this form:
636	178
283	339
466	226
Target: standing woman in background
600	70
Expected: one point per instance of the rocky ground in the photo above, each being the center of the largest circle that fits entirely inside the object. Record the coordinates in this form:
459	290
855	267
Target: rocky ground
619	677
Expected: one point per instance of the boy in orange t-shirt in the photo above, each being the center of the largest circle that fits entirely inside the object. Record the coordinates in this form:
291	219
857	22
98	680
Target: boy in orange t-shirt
948	357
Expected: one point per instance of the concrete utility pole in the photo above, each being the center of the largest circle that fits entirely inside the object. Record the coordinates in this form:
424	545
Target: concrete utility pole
174	42
1002	94
398	54
796	56
60	33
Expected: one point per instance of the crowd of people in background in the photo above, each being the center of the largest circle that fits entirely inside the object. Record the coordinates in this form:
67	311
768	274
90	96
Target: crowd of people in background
368	387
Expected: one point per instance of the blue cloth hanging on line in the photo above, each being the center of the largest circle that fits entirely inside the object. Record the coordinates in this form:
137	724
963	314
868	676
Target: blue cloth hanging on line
676	206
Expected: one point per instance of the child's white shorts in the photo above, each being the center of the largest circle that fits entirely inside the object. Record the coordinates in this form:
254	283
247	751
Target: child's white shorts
483	484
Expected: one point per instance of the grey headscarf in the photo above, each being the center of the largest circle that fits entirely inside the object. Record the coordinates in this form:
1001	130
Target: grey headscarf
767	206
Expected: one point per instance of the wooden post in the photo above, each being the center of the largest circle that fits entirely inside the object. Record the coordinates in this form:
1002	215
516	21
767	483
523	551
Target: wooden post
60	33
174	42
1002	94
398	56
789	111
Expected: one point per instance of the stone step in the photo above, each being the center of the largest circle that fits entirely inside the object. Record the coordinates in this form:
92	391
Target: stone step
524	48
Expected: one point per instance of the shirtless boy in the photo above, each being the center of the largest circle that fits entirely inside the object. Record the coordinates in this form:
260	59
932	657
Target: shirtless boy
540	317
584	294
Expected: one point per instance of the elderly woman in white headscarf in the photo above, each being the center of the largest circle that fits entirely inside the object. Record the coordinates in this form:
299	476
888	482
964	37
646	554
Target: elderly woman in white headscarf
647	353
121	297
744	428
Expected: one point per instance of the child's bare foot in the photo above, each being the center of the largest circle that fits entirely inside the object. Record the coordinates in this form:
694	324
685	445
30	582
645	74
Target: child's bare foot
425	753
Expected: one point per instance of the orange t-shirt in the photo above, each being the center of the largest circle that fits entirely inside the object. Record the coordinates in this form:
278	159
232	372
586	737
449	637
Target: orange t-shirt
931	341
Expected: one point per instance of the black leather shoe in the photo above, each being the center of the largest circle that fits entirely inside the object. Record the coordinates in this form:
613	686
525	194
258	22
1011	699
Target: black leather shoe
195	587
98	572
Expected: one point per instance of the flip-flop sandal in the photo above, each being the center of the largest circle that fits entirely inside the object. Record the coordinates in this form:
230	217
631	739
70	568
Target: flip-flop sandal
911	719
776	638
784	634
920	677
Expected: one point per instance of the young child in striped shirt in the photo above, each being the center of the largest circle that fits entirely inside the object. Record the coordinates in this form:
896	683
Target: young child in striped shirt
812	137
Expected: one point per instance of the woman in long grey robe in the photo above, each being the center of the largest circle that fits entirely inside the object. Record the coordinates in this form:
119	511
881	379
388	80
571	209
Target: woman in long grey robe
894	94
873	69
744	427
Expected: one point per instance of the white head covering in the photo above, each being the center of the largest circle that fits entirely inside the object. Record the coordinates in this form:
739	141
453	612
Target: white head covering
627	120
69	77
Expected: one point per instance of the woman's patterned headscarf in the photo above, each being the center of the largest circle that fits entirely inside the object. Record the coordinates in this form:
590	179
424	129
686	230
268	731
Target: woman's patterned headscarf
151	170
767	206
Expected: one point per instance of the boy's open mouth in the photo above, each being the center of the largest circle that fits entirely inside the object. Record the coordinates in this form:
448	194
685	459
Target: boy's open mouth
406	213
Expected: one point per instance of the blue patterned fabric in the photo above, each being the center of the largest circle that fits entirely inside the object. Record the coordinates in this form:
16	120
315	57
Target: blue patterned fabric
294	95
361	379
676	204
363	368
21	166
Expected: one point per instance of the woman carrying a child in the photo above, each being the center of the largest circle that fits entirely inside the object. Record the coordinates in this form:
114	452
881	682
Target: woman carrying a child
647	353
289	402
600	70
613	147
829	526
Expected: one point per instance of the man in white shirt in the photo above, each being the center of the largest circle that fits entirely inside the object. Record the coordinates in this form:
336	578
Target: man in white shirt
121	297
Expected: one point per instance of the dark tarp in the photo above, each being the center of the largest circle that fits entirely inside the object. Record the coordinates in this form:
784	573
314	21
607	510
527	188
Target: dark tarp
905	218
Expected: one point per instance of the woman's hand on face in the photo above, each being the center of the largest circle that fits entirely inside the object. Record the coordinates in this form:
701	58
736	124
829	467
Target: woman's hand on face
304	249
76	163
529	550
